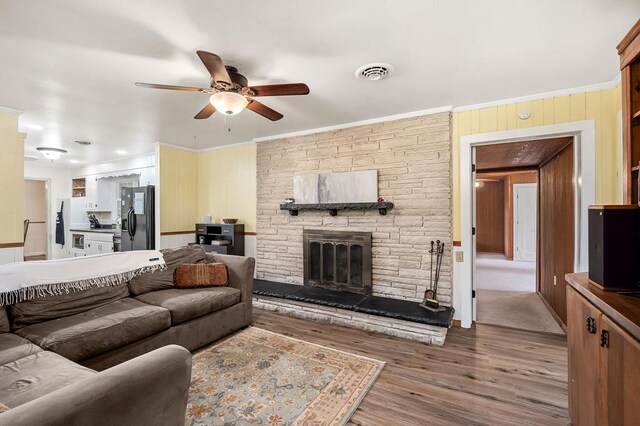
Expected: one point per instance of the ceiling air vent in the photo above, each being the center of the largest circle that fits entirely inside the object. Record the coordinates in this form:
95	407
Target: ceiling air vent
374	72
83	143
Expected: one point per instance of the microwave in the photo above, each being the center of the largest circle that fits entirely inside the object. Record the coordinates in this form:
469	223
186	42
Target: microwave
77	241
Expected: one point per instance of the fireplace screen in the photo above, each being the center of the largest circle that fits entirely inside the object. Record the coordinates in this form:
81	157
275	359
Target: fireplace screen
338	260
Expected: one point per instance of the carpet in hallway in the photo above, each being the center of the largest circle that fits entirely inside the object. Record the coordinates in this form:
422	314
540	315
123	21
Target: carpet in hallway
516	309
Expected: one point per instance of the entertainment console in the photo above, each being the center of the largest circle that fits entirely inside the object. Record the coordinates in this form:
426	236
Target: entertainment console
220	238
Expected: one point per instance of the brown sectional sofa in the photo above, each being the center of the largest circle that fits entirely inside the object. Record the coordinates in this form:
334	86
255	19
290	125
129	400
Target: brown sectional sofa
110	355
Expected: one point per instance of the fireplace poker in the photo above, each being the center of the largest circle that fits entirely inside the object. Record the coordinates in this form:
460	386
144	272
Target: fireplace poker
430	302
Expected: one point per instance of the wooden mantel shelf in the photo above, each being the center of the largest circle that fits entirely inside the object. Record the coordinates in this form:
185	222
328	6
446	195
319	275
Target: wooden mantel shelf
333	208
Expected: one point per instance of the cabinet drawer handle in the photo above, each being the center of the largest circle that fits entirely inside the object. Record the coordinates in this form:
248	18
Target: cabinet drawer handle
604	339
591	325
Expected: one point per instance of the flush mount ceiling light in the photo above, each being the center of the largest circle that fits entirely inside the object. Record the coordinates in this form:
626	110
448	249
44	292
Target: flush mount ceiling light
228	103
374	71
51	153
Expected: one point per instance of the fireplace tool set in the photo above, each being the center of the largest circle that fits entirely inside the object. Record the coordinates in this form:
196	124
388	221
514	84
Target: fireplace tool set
430	302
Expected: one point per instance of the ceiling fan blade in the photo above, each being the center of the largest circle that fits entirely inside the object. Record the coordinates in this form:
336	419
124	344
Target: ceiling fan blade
205	112
264	110
281	89
215	66
170	87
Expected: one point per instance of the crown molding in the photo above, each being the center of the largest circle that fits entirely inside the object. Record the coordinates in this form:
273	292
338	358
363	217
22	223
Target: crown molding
10	110
357	123
232	145
170	145
563	92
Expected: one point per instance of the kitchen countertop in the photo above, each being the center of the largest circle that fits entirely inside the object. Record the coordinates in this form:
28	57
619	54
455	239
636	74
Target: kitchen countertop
113	231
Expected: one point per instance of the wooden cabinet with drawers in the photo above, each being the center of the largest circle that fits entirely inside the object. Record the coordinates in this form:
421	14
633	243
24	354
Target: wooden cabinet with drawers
603	332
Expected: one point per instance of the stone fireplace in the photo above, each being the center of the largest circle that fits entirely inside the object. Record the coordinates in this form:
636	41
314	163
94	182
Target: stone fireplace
314	250
412	158
337	260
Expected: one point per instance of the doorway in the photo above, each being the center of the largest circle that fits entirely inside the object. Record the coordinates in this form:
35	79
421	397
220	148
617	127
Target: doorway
514	184
36	228
584	186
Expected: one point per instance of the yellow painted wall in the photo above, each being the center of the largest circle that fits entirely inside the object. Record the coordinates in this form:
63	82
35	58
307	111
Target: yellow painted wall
227	181
11	179
600	105
178	189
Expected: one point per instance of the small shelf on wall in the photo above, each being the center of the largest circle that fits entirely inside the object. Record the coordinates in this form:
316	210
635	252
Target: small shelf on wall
333	208
78	187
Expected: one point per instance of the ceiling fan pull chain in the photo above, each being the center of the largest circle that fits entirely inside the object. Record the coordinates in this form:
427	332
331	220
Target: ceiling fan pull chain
227	121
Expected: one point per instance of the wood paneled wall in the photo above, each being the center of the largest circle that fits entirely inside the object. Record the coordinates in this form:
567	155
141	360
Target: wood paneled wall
178	189
556	229
490	216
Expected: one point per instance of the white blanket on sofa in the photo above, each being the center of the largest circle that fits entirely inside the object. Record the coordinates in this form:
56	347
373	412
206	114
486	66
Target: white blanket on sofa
27	280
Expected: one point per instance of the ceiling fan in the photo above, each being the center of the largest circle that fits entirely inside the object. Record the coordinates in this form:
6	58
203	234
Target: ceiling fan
230	92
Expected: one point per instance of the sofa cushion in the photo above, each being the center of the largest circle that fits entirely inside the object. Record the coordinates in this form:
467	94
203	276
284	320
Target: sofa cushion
14	347
51	307
187	304
99	330
36	375
162	280
200	275
4	320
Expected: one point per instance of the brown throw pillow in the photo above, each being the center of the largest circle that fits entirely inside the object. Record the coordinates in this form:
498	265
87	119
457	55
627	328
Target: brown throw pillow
201	275
3	408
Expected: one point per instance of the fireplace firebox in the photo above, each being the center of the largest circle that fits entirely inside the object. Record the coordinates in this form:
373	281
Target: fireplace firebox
338	260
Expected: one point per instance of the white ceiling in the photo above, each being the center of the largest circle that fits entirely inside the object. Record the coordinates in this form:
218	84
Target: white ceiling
71	65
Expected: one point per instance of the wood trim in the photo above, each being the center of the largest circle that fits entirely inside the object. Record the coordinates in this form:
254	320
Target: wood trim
456	323
162	234
626	41
553	313
627	184
11	245
193	232
457	243
632	37
614	207
508	169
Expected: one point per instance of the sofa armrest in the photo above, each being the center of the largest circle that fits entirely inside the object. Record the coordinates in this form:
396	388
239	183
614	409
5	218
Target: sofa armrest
150	389
240	270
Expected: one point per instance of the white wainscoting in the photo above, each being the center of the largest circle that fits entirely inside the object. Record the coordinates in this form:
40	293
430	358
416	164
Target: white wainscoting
11	254
173	241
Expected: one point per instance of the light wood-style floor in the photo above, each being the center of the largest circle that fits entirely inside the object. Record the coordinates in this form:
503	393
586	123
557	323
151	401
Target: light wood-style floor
484	375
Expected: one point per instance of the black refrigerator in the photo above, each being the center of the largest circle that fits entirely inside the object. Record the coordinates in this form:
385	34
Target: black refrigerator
138	218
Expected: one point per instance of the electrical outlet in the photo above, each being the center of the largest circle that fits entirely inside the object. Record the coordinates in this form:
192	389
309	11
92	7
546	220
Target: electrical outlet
459	256
554	280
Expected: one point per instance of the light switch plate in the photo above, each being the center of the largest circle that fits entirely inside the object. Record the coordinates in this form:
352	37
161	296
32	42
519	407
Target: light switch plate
459	256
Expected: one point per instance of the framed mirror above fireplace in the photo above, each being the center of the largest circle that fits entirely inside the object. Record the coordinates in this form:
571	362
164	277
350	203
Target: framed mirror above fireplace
338	260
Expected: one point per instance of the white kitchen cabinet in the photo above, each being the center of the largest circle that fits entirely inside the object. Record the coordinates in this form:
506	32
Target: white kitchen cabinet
98	243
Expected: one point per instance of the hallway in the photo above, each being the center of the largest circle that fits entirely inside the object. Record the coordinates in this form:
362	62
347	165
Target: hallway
506	295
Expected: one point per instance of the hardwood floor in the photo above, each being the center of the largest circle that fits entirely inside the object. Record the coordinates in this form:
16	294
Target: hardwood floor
484	375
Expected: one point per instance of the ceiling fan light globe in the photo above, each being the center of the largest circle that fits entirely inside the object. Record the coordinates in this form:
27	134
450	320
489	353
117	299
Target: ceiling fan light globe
228	103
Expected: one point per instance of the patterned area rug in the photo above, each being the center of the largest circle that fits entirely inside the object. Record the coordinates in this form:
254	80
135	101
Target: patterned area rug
263	378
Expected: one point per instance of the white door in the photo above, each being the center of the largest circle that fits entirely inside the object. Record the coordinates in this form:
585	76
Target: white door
525	206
